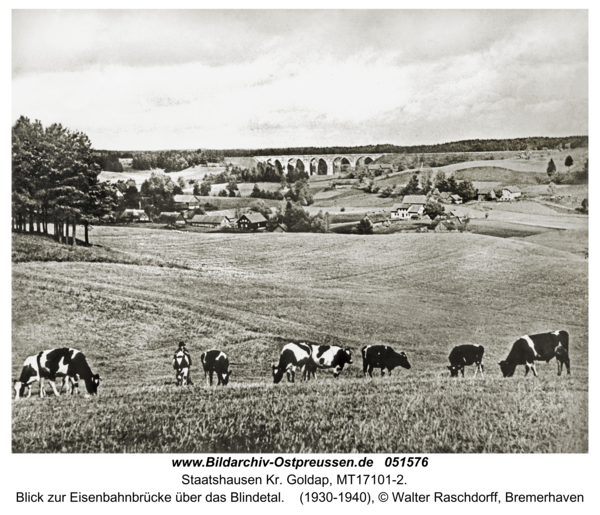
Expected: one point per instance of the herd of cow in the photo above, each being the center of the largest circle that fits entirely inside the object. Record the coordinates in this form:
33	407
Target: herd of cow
72	366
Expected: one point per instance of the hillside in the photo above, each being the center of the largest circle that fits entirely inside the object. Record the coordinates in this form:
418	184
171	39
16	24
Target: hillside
248	295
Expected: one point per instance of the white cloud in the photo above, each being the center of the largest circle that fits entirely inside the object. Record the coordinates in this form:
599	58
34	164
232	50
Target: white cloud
137	80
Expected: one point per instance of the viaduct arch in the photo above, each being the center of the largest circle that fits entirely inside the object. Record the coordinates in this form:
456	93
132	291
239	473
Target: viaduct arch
318	164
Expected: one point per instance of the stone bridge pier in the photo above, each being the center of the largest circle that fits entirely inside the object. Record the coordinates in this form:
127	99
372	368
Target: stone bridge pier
319	164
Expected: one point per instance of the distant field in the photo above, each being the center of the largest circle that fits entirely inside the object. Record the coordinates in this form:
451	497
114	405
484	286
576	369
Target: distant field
497	174
249	294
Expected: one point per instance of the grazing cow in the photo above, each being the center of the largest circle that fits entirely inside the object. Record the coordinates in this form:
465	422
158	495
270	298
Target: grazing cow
327	356
50	364
382	356
182	362
292	355
537	347
216	361
465	355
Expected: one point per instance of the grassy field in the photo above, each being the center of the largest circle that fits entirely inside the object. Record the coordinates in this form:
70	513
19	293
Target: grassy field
248	296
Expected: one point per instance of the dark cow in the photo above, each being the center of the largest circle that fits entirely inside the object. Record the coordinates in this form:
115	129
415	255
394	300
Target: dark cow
50	364
215	361
292	355
382	356
537	347
182	362
463	356
327	356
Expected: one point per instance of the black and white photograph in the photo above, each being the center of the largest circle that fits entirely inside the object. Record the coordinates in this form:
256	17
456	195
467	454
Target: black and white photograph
299	232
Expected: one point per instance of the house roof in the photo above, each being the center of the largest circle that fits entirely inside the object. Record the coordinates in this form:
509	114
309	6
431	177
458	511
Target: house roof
208	219
186	199
456	197
414	208
395	207
512	189
485	191
136	212
414	199
377	217
254	218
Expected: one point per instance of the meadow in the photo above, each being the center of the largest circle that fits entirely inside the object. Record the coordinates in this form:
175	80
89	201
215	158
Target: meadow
250	294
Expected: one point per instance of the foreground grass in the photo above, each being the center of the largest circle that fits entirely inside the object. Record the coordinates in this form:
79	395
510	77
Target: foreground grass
248	296
33	247
405	413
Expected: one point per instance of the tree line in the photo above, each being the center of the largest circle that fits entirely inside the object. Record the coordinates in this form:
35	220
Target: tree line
472	145
55	181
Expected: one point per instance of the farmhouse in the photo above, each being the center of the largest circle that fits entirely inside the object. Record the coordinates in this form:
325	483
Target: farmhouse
133	215
400	211
252	222
509	193
186	202
171	218
486	194
210	221
380	169
378	218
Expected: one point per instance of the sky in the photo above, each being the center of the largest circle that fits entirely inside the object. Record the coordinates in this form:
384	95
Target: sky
159	79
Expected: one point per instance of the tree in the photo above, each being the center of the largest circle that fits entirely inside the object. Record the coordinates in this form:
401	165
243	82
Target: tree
365	226
569	162
232	187
412	187
131	198
466	190
551	188
54	170
205	189
296	219
433	210
551	170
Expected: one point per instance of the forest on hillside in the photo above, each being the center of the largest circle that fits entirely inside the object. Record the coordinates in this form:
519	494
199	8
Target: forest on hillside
176	160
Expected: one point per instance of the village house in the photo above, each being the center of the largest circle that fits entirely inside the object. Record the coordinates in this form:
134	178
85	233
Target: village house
280	228
509	193
400	212
183	202
132	215
380	169
486	194
210	221
378	218
455	199
252	222
171	218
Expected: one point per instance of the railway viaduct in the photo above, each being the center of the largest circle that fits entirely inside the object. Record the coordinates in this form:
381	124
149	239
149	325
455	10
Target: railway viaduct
318	164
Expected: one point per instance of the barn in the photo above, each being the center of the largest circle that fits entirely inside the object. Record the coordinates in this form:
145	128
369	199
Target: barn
252	222
210	221
509	193
183	202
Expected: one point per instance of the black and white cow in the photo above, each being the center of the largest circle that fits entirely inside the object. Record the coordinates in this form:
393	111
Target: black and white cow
463	356
382	356
50	364
182	362
215	361
537	347
327	356
292	355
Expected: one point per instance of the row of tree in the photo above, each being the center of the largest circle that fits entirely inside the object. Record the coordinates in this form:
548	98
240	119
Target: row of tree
55	181
174	160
